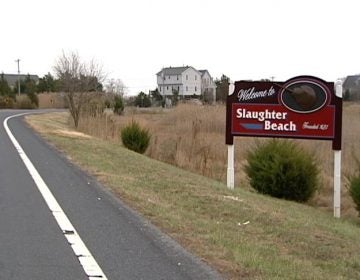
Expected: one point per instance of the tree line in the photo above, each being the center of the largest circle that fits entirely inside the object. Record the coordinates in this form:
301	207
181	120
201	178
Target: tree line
81	82
45	84
28	87
8	95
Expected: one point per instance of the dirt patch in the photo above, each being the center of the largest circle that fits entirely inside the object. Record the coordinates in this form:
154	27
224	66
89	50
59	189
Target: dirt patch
72	134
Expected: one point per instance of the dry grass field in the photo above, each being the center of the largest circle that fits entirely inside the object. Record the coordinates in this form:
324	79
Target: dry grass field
51	100
193	137
242	234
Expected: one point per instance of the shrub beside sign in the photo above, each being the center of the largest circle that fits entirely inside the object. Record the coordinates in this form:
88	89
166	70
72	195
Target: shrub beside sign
303	107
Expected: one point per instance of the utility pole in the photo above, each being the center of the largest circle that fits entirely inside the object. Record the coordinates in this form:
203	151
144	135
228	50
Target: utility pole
18	63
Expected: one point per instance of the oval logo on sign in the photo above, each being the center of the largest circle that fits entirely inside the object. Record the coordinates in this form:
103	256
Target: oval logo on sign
304	96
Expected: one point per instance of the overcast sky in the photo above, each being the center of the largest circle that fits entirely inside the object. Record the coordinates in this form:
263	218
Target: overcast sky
134	39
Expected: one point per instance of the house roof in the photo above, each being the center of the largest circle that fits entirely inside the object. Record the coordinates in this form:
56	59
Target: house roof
13	78
351	81
203	72
173	70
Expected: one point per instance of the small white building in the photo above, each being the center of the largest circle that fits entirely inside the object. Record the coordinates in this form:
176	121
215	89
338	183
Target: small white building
186	81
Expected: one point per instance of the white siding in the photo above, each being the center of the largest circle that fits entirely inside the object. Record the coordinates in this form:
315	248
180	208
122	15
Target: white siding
172	79
208	84
159	80
192	82
206	80
169	88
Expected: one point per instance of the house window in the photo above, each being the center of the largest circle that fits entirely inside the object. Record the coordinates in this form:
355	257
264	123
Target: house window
177	77
186	88
187	77
195	87
195	77
167	88
169	78
178	88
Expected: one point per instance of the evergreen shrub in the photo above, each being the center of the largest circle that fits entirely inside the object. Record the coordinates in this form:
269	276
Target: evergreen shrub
33	99
355	191
283	170
354	186
135	138
118	105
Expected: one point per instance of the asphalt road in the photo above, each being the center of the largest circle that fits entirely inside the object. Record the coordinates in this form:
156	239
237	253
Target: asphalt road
34	246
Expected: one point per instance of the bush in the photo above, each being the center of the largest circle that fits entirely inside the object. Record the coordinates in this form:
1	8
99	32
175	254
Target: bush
135	138
6	102
33	99
142	100
355	191
118	105
281	169
354	186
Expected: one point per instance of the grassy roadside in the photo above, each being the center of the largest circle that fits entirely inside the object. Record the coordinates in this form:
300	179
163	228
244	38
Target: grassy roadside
242	234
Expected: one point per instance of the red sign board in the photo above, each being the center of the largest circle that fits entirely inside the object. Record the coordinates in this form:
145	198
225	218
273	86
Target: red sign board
303	107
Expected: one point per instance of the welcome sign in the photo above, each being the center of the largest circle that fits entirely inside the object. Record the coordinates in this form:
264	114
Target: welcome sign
303	107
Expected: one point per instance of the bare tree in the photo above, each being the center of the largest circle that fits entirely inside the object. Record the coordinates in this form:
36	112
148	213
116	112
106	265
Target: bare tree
78	80
115	86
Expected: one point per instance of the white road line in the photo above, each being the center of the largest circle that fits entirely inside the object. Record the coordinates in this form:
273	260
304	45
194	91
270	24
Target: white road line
87	261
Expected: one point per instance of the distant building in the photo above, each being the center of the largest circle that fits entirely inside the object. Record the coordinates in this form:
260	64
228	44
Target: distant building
12	79
351	87
186	81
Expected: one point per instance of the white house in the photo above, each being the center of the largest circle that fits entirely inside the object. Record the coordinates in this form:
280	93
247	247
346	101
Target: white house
187	81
